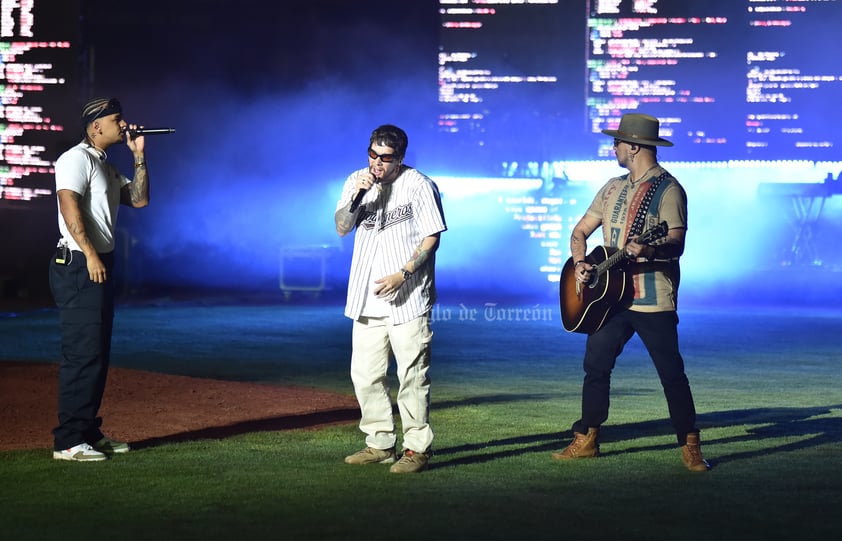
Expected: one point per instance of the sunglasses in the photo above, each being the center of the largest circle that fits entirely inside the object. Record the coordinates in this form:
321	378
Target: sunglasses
617	142
385	158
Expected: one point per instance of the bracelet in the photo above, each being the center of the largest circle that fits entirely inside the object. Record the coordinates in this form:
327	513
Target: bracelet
140	164
576	264
406	274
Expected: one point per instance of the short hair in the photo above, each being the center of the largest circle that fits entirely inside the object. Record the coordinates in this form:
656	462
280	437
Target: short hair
390	136
98	108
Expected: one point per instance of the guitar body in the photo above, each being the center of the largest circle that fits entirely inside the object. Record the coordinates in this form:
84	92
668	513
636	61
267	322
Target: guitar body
584	307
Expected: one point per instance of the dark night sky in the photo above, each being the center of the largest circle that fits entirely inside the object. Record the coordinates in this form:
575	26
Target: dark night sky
316	69
254	46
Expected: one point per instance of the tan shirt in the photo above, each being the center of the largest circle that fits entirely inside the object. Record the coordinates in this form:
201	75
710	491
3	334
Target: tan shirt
616	205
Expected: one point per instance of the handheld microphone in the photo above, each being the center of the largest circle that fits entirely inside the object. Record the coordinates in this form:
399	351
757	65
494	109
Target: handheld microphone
358	198
151	131
356	202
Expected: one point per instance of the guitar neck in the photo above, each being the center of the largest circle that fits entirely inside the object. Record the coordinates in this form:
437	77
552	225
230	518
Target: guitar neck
615	259
647	237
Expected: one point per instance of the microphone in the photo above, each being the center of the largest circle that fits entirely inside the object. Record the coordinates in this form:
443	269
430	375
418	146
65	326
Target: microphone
151	131
358	198
356	202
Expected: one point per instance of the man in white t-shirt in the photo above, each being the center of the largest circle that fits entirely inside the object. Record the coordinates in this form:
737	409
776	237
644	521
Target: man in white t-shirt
89	192
398	217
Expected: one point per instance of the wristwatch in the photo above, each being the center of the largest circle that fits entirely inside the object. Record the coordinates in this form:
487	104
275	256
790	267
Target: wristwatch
406	274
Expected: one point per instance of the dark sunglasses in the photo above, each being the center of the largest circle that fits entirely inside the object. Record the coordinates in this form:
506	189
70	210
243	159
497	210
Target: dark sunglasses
385	158
617	142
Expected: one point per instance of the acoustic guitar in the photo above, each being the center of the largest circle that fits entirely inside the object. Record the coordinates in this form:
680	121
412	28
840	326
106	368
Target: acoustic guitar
584	307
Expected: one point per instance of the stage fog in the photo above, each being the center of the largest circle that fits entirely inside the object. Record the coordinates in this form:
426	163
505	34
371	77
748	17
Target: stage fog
273	108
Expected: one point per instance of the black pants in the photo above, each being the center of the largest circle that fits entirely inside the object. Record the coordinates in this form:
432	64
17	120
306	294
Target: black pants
659	333
87	314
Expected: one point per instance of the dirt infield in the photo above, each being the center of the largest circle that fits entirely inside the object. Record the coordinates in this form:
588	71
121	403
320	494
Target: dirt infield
149	409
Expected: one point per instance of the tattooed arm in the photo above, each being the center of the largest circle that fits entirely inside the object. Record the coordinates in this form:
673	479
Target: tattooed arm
427	247
68	202
136	193
345	220
389	285
579	237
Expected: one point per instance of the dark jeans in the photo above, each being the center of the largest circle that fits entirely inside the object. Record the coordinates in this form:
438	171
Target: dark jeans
659	333
86	313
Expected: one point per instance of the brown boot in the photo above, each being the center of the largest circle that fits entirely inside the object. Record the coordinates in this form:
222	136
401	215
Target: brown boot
691	454
582	446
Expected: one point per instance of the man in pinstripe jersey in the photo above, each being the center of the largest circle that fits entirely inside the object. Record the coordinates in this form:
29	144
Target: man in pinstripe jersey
396	214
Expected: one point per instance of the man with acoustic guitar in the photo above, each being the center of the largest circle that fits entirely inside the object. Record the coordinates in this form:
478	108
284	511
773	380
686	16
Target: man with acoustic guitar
636	275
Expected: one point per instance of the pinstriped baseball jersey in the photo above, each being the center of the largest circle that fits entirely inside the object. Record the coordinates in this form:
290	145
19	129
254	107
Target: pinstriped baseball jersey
393	220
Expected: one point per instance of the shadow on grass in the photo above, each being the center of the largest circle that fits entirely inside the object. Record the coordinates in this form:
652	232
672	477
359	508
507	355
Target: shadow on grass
493	450
804	423
284	422
810	424
310	420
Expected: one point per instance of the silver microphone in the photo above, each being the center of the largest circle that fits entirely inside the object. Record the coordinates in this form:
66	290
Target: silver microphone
150	131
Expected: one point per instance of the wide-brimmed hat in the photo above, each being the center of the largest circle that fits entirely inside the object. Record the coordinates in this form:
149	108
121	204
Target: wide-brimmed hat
638	128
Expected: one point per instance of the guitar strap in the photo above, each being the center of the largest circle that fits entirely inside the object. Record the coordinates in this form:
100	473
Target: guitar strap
643	209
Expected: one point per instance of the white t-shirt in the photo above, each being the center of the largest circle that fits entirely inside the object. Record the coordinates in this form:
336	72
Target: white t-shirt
83	169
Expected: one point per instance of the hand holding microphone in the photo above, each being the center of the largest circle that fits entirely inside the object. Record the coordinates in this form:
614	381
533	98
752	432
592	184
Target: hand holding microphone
363	185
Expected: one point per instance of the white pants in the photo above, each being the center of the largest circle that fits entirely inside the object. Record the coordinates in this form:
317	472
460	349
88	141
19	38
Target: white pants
373	341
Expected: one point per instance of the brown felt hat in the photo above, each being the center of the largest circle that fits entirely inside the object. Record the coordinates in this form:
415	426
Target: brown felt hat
638	128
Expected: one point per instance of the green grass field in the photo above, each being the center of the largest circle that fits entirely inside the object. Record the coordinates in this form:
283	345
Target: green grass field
767	389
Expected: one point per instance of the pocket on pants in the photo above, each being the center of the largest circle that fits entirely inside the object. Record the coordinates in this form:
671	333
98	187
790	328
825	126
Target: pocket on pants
71	284
422	331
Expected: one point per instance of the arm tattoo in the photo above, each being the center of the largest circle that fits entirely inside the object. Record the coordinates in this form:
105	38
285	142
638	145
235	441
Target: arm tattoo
345	220
76	226
420	257
138	187
577	243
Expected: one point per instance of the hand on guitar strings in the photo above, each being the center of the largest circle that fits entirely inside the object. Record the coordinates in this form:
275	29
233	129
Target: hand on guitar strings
583	271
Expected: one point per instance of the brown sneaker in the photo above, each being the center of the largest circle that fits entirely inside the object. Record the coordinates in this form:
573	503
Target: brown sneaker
691	454
411	462
582	446
369	455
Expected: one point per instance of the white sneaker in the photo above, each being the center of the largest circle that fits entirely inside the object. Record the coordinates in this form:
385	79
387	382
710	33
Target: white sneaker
80	453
